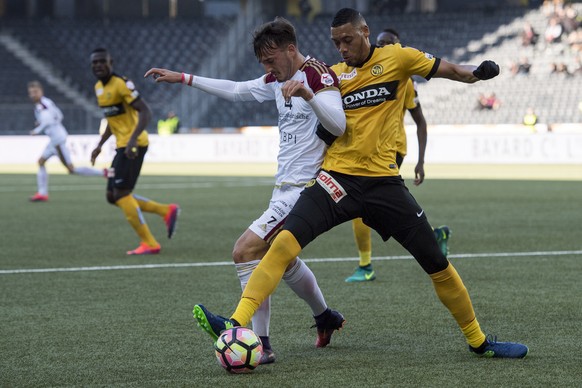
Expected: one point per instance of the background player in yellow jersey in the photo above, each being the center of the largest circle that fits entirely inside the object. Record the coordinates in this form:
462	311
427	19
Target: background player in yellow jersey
360	178
127	116
362	232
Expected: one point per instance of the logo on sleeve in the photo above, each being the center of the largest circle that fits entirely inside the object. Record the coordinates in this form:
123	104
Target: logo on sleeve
428	56
130	85
327	79
335	190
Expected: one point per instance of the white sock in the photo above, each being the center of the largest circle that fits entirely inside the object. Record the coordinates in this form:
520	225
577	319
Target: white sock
303	283
42	180
262	316
87	171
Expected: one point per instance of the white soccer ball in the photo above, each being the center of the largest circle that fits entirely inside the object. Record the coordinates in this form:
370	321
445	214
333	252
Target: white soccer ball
238	350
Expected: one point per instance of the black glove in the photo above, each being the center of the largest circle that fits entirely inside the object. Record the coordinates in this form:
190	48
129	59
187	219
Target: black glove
486	70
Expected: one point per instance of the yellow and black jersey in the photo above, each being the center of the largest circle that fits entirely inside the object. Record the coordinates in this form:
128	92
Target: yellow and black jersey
373	100
410	102
115	98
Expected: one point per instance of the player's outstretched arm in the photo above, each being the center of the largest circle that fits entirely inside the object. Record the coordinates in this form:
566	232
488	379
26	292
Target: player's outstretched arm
227	89
467	73
164	75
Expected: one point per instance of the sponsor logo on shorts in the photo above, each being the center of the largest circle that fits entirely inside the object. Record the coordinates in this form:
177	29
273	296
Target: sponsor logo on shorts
335	190
310	183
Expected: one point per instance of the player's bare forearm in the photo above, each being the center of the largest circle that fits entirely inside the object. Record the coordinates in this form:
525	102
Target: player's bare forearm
164	75
467	73
419	173
106	135
144	115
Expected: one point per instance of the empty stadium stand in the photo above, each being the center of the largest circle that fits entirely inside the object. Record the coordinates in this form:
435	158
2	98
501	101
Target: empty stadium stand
467	37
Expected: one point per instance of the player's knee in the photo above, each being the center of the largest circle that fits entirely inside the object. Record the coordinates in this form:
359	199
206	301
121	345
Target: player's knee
421	243
238	255
244	252
118	194
291	265
110	197
41	162
241	253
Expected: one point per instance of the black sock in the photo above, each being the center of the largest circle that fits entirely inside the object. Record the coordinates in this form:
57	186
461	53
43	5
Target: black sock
265	341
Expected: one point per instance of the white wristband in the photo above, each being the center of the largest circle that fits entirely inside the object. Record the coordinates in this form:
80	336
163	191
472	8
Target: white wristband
187	79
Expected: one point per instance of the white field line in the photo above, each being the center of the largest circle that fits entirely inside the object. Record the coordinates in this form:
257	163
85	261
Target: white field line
316	260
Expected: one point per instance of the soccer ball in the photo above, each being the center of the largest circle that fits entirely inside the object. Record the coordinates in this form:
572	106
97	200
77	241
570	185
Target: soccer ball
238	350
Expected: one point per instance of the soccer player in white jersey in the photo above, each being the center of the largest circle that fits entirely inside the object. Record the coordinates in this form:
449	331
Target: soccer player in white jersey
306	93
49	122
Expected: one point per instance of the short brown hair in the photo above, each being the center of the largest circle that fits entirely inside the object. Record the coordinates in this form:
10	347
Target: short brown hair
273	35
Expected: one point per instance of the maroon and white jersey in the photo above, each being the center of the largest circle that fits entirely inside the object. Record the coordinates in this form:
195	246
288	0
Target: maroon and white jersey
300	149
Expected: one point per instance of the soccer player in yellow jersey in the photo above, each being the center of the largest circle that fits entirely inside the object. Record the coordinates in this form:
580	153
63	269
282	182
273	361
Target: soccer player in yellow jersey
127	116
360	178
362	233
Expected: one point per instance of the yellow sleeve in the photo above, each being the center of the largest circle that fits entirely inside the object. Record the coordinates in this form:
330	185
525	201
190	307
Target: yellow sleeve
127	91
417	62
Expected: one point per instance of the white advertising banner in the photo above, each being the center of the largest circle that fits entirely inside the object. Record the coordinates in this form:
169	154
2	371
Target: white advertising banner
446	144
450	145
177	148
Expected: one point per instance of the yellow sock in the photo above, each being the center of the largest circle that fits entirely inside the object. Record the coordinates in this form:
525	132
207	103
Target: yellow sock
362	234
149	206
135	218
266	276
453	294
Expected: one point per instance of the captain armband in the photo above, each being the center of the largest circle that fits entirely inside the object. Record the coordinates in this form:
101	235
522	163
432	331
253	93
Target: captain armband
327	137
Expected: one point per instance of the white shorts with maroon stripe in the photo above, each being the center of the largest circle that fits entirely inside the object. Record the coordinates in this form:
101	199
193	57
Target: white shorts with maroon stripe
270	222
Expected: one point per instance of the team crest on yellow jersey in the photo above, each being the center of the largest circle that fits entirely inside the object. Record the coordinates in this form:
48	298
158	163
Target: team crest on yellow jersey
377	70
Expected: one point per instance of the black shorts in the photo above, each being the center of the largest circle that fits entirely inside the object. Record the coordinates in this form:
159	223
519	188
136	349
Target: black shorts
384	204
126	171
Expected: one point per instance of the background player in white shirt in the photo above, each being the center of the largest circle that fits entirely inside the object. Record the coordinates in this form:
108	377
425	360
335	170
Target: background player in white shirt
49	122
306	93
